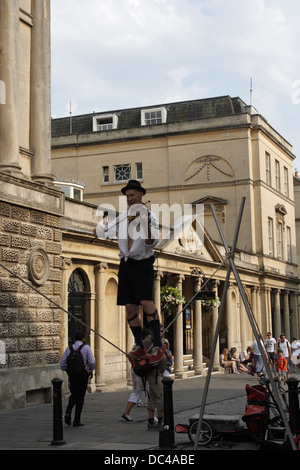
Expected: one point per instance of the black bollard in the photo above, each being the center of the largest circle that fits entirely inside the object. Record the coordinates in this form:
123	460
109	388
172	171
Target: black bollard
167	435
58	438
294	411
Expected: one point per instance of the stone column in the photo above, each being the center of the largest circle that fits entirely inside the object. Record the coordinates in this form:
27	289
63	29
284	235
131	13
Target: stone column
157	277
286	315
178	343
243	323
40	89
100	325
229	312
294	313
277	319
215	314
9	75
254	305
91	303
197	331
261	321
266	306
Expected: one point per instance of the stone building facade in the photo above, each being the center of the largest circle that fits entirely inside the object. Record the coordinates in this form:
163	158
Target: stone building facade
31	209
198	152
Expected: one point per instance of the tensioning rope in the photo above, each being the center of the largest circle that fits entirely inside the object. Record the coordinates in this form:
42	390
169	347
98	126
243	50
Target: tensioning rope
61	308
89	327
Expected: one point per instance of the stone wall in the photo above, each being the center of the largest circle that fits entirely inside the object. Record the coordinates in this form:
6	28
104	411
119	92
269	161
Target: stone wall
30	247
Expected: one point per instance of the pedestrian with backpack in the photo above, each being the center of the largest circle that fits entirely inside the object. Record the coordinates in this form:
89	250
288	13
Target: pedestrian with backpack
79	363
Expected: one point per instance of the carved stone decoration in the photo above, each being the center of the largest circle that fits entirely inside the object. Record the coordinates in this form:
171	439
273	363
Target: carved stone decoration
38	266
209	164
189	242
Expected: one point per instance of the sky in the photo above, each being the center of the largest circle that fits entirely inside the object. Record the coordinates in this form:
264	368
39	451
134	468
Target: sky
115	54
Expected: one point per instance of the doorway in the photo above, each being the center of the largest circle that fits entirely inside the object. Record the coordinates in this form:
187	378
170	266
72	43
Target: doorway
77	304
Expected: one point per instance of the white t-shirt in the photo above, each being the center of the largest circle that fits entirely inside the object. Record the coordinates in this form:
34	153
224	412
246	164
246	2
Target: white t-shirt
295	346
270	344
244	354
284	347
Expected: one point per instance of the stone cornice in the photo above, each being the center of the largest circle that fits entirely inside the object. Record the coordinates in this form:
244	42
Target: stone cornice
24	192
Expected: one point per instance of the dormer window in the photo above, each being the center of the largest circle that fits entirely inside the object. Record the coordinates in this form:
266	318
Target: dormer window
105	122
72	189
153	116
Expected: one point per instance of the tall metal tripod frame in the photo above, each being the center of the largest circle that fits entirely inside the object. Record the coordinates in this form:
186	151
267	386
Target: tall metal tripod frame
229	253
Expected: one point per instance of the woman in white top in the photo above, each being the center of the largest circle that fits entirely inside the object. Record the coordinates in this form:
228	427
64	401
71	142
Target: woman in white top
227	364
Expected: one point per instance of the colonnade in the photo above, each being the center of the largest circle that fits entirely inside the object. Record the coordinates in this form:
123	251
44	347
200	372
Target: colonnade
38	20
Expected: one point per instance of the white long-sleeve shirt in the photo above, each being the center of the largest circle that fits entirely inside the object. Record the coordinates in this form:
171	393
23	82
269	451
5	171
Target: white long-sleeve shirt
137	229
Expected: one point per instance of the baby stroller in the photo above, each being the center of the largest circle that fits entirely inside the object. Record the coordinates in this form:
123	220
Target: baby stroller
263	419
257	411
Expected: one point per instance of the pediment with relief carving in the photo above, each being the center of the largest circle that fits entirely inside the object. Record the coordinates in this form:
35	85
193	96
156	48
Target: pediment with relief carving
193	240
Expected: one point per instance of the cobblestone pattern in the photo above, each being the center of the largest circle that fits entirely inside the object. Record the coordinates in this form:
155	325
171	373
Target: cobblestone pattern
29	323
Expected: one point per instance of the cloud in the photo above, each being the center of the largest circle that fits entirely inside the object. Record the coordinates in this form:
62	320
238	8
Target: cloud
112	54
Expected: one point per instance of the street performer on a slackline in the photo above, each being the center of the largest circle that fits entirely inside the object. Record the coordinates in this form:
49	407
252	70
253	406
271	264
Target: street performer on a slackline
137	236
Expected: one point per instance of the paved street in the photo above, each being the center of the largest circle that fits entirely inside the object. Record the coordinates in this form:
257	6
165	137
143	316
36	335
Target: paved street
104	429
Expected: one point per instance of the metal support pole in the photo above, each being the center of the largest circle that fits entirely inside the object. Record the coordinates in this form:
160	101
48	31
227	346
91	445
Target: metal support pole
223	303
256	335
167	435
262	352
58	438
232	268
292	383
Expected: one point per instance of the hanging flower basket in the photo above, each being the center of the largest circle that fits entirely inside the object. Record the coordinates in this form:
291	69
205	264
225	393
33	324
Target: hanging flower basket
209	305
170	298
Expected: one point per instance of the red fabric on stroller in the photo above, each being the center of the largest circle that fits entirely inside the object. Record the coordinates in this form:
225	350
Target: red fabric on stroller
255	417
257	394
256	410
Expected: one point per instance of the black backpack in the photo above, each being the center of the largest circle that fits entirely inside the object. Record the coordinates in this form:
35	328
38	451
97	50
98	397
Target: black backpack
75	363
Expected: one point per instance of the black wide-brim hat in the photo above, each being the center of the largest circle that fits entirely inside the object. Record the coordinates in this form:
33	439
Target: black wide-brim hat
133	184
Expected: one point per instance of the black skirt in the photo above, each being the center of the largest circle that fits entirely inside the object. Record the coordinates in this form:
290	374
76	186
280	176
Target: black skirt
135	281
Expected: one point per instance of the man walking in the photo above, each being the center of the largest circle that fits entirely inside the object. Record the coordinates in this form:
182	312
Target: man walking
78	382
271	347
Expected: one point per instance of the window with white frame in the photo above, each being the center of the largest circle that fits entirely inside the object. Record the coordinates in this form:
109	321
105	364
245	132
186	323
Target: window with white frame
279	240
153	116
270	236
268	168
105	122
72	189
288	245
122	172
286	181
277	175
139	171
